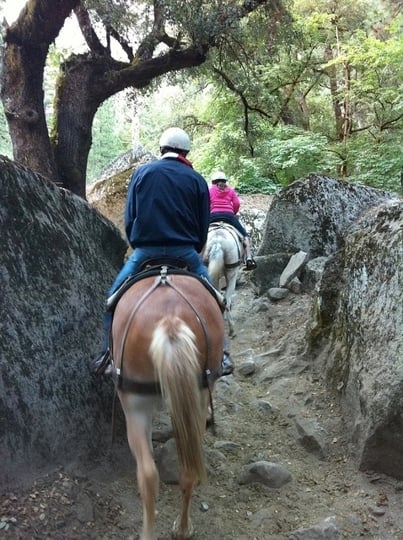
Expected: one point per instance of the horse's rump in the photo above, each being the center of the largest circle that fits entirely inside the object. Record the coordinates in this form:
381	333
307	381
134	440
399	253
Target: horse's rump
143	307
224	243
223	254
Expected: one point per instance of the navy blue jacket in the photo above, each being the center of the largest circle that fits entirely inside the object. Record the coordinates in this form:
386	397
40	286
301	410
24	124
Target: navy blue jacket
168	203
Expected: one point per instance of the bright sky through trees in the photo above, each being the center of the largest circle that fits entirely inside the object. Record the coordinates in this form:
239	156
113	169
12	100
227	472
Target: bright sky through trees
10	9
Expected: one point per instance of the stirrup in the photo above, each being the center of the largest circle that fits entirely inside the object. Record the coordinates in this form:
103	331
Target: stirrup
102	363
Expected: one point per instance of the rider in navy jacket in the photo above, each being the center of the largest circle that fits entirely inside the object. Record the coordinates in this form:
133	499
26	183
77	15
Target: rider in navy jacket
167	214
172	183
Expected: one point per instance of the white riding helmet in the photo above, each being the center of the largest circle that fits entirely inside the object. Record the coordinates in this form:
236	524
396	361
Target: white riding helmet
175	137
218	176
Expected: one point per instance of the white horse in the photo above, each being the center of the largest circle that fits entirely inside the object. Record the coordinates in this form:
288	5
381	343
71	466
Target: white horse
223	255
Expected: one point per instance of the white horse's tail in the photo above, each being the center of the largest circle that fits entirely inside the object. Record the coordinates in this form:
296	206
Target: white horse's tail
175	359
216	262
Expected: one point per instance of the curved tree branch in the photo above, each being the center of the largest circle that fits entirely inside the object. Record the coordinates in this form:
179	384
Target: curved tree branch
122	42
88	31
39	22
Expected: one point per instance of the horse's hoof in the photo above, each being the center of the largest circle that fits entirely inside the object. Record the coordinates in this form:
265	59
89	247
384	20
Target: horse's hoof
180	535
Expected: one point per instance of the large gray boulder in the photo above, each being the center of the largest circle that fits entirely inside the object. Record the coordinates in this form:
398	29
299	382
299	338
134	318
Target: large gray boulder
355	336
58	256
312	215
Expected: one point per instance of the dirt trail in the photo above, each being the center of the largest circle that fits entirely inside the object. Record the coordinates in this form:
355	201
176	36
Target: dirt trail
255	421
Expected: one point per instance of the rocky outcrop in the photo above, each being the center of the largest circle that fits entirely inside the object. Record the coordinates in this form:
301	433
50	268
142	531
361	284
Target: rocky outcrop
356	339
253	219
108	193
58	256
313	214
354	236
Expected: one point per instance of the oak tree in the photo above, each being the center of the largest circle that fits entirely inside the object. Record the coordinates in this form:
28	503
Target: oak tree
154	37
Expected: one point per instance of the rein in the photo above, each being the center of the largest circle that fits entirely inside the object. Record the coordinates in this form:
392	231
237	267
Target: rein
116	374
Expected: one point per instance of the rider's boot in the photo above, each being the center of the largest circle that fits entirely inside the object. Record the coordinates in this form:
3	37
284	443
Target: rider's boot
102	365
250	261
227	365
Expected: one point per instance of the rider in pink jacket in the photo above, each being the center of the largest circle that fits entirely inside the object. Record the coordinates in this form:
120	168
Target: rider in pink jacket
223	199
224	205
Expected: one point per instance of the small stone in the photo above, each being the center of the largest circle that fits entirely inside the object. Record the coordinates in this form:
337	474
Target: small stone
376	510
204	507
247	368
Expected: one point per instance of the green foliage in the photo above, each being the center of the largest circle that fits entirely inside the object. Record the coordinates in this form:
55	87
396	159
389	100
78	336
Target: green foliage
118	13
111	136
377	164
167	106
293	153
263	108
251	180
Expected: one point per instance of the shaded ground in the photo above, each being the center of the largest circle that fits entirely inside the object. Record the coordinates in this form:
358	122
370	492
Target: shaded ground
102	503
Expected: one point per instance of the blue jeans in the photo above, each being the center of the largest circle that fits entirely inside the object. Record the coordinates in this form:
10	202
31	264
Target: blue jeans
133	265
232	219
141	254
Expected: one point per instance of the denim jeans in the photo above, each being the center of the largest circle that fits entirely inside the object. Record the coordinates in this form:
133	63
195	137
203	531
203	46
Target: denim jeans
232	219
133	265
141	254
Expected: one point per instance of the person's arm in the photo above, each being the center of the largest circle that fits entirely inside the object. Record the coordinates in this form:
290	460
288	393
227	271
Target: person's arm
130	209
236	203
204	217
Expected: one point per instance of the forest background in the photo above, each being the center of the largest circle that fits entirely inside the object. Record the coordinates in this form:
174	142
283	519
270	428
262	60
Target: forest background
319	91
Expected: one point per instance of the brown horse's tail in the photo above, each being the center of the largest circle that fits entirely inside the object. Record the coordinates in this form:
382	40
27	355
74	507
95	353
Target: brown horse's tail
175	358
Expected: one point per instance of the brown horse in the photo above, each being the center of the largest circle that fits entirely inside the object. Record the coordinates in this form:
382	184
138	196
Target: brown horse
167	336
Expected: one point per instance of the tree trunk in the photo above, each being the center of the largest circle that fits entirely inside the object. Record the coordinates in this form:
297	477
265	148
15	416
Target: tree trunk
347	120
24	56
334	89
85	82
74	114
